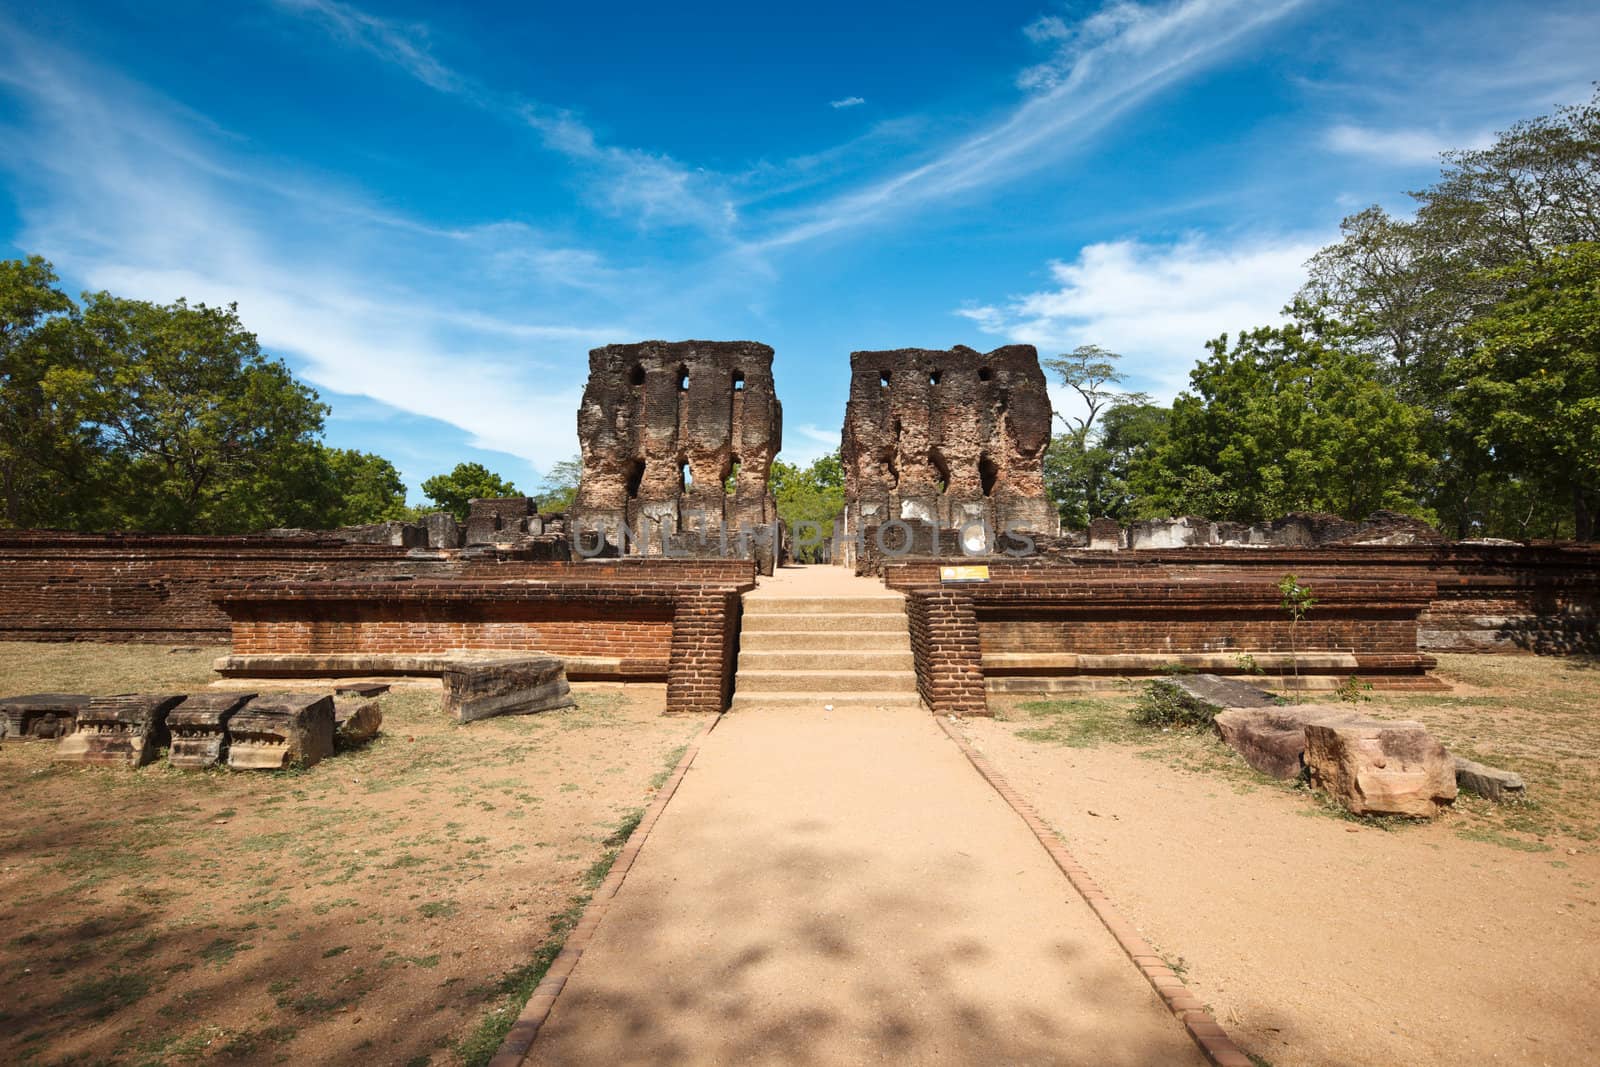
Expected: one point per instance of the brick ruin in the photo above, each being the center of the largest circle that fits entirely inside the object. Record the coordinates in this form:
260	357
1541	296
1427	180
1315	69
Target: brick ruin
679	435
677	442
947	438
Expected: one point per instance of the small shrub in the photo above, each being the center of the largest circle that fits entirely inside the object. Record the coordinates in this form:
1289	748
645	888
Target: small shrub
1246	664
1164	704
1353	690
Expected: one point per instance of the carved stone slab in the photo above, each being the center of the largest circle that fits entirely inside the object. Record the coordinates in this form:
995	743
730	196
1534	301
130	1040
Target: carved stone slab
280	730
200	729
522	686
119	731
40	716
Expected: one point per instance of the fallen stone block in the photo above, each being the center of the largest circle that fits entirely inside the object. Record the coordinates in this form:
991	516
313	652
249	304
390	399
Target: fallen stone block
1491	783
1222	692
280	730
356	720
522	686
1380	768
119	731
1272	740
40	716
200	729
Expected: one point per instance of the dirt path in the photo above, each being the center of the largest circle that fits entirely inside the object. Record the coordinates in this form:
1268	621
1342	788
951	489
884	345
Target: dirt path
844	889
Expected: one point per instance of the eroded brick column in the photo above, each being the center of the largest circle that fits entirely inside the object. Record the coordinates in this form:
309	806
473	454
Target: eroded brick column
704	625
944	644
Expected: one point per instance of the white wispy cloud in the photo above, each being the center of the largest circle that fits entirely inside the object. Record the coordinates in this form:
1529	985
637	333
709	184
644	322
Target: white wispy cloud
119	189
651	187
1400	147
849	101
1110	62
1157	304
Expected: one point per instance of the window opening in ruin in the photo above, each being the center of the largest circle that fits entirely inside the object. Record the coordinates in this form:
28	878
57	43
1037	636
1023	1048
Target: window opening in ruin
636	375
988	474
730	481
891	475
683	379
985	374
635	478
685	476
883	379
933	379
738	381
940	468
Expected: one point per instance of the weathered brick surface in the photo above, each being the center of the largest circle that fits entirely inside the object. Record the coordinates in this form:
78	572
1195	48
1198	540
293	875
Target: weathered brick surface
667	621
945	646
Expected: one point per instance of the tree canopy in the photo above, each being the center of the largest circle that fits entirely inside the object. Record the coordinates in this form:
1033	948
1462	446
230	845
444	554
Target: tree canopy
452	492
814	493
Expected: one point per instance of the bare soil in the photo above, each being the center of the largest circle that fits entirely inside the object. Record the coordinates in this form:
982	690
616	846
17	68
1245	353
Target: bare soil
1321	939
382	906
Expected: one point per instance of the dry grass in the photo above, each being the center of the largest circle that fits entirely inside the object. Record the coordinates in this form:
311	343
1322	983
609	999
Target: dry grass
1533	715
372	908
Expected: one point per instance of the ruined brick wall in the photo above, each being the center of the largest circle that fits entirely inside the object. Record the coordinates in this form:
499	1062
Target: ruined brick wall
68	587
962	635
1489	597
947	437
667	429
672	621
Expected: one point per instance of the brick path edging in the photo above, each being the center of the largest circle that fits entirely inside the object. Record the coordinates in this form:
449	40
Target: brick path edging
1207	1033
519	1041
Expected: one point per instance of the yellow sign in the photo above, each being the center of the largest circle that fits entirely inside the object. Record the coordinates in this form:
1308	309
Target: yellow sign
966	573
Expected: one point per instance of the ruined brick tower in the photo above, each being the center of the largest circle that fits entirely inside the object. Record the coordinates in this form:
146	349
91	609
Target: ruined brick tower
678	438
948	437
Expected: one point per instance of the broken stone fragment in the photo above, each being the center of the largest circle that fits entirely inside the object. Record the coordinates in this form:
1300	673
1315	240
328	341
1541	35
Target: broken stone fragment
199	729
1272	740
1380	768
366	690
1491	783
481	689
119	731
280	730
356	720
39	716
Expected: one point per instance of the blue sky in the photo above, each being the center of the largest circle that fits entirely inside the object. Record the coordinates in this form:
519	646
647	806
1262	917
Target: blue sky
433	214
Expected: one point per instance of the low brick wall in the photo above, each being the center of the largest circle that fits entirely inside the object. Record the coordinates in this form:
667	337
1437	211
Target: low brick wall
963	634
1488	598
638	620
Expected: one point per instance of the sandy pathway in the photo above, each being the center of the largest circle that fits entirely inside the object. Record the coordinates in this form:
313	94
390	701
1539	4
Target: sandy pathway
839	889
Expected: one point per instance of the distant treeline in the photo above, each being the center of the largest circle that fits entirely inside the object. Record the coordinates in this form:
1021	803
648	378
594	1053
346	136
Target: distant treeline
1447	365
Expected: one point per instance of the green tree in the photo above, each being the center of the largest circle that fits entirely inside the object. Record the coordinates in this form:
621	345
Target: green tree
814	493
559	489
1093	373
364	488
44	445
1097	481
203	433
468	481
1283	422
1529	378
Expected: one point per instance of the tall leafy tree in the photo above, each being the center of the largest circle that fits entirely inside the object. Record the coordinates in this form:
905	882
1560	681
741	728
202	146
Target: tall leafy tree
1282	421
203	432
44	447
1529	379
560	486
363	488
466	482
814	493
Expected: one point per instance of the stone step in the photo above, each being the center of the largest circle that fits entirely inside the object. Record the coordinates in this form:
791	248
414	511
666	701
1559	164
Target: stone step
888	640
824	682
889	604
836	660
840	701
852	621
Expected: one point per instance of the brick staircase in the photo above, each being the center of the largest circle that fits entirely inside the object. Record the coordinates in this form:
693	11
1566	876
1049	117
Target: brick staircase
848	649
